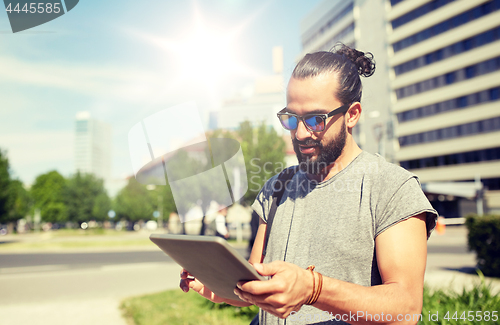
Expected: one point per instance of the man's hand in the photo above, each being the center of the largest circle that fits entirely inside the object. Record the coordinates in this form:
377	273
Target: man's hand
287	290
189	282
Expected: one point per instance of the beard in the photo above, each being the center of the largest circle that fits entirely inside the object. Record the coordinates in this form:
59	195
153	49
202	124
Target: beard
328	153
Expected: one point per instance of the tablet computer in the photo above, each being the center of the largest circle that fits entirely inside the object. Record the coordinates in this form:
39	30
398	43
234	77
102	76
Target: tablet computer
210	259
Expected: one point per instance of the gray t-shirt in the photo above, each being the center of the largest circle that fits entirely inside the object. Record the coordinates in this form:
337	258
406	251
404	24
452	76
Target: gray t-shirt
333	224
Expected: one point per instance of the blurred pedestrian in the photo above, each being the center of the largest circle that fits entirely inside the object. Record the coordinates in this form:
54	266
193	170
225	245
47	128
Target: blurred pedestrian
221	224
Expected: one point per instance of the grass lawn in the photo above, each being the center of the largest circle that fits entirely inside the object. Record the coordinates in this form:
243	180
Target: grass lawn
177	308
82	239
453	308
75	239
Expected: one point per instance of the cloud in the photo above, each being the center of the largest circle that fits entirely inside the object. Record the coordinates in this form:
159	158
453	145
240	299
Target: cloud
32	154
114	82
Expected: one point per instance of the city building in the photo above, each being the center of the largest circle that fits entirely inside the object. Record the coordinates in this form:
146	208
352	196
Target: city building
92	146
258	103
359	24
445	72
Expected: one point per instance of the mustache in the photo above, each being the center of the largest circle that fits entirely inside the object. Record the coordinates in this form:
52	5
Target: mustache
308	142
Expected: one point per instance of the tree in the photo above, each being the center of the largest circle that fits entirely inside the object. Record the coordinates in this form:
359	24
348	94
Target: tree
19	202
102	205
167	200
47	194
14	199
4	187
264	152
134	202
86	199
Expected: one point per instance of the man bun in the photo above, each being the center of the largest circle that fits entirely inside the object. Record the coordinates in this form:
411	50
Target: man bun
343	63
364	62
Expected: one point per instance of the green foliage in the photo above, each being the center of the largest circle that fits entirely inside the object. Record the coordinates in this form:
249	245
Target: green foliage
102	205
264	152
245	312
47	193
182	166
175	307
478	300
484	239
86	199
19	201
4	187
15	201
264	157
134	202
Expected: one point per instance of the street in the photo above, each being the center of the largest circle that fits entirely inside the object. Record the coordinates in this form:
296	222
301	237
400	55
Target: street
86	288
79	260
87	291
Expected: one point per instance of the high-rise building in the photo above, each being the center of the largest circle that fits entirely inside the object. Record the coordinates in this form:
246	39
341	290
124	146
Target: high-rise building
92	146
359	24
257	104
445	66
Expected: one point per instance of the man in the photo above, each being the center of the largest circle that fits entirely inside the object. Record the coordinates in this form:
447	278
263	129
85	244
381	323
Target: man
361	221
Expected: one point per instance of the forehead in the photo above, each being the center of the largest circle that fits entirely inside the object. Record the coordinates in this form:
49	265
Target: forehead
312	94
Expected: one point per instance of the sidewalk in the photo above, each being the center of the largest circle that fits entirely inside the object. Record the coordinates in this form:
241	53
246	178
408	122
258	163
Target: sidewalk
448	264
456	270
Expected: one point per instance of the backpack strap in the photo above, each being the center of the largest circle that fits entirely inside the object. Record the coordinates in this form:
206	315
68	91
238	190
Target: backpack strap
278	189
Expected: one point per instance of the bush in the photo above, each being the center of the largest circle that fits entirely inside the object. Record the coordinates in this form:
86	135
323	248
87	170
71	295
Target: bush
449	307
484	239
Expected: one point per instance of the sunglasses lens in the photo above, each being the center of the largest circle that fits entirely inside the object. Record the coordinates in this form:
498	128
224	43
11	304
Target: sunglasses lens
288	122
315	123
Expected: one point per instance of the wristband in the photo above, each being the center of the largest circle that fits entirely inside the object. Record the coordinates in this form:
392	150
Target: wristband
316	288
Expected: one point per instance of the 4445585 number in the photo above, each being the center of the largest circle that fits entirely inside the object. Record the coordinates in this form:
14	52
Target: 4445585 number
473	316
35	8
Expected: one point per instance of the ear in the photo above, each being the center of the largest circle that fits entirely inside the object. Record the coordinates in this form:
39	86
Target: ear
352	115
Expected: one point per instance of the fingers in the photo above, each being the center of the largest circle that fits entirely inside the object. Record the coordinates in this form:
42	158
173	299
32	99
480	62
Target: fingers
273	304
186	284
268	268
185	274
186	279
260	287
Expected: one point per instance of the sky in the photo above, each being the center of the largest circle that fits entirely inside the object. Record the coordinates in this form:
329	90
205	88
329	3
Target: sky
125	60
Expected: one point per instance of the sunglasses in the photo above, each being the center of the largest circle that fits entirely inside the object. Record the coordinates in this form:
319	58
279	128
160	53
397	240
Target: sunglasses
313	122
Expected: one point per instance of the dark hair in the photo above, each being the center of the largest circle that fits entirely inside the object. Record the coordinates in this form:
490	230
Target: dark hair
347	62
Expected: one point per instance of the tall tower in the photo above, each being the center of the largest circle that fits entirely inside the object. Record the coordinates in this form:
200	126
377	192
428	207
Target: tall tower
261	103
92	146
445	65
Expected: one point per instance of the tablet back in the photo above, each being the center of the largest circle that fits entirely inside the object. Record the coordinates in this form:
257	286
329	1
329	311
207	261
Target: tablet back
209	259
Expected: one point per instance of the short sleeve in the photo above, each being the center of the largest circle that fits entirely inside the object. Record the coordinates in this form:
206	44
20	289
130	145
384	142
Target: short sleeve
408	201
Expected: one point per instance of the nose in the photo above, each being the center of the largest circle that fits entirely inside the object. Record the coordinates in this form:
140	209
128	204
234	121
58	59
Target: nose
302	132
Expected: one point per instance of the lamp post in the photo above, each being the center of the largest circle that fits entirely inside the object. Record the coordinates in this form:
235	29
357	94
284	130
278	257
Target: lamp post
159	206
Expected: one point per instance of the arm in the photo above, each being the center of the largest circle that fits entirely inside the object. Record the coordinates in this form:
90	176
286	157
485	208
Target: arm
188	282
401	257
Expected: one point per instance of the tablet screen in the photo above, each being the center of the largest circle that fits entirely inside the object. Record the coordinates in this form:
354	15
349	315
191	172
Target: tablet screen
210	259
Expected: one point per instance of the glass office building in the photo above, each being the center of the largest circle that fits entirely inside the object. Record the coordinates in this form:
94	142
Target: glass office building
92	146
360	24
445	72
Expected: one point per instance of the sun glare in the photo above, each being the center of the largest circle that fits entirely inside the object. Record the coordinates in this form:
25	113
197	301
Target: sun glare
203	55
206	55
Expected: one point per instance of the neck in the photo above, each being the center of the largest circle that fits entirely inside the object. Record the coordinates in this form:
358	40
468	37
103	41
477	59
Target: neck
349	153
